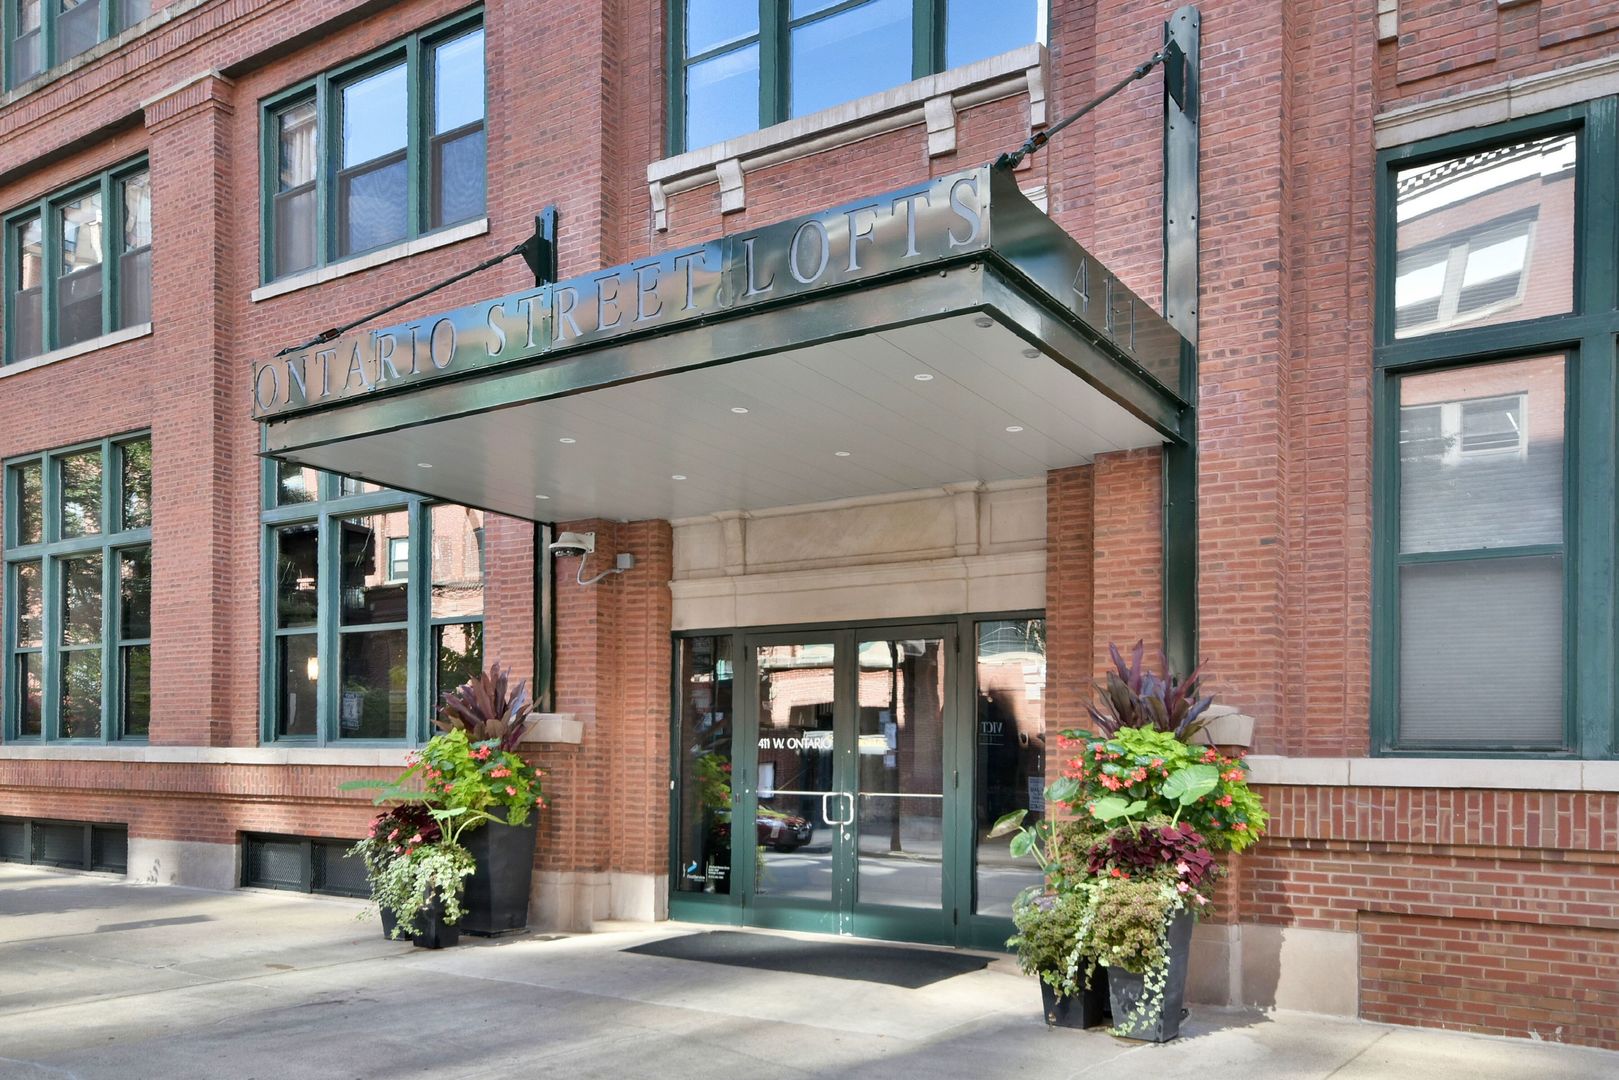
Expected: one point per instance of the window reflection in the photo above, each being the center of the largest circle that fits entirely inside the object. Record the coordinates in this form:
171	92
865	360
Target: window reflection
704	813
1485	238
1009	751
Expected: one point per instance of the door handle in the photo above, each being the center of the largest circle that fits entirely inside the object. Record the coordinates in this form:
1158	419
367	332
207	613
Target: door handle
850	819
826	813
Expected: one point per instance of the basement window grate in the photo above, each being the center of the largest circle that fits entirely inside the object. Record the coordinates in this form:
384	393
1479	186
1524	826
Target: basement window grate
69	845
308	864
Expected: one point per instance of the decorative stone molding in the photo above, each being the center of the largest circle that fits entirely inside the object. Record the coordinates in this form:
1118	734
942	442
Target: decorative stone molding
204	88
1388	20
554	728
68	352
1226	727
345	756
1521	96
371	259
934	100
1479	773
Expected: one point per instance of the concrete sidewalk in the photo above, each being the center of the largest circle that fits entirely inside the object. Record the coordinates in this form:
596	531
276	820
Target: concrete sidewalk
100	979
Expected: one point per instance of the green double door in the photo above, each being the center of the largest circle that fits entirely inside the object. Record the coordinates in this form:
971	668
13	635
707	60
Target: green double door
848	748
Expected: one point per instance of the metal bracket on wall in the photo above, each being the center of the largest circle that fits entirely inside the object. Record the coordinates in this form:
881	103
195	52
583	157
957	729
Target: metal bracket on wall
1182	34
540	252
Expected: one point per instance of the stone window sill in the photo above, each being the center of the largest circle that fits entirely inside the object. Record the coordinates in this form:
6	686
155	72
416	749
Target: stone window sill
348	757
355	264
95	52
933	100
1475	773
56	356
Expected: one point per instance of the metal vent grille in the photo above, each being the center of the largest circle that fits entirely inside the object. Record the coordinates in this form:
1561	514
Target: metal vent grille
275	864
337	873
13	840
56	844
109	848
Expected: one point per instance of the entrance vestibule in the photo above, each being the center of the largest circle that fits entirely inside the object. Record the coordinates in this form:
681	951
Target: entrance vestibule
870	761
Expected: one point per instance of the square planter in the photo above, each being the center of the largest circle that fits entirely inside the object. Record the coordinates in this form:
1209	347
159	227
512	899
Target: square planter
435	933
497	893
1087	1009
1126	989
389	922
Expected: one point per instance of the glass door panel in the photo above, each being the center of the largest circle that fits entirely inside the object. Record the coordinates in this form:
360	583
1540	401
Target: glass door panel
900	772
799	805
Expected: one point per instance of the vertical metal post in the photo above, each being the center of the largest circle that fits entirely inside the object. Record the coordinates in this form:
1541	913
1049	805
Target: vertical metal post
1181	109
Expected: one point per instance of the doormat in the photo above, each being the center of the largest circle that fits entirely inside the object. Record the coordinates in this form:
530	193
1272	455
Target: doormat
890	965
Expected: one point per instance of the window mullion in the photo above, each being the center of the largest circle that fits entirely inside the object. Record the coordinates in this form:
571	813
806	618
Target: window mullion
327	606
50	650
112	240
927	37
47	35
328	143
416	119
773	61
50	233
109	632
418	644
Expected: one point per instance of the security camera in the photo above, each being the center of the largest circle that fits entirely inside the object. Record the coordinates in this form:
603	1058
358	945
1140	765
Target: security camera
569	544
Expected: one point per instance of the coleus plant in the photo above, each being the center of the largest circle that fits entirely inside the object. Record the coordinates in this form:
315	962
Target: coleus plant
486	708
1133	697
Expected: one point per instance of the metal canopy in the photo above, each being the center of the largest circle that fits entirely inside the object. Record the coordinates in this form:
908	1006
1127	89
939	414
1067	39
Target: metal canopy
818	327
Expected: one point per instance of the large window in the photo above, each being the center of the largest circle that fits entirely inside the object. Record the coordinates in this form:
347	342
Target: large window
78	592
78	264
1494	609
377	152
43	33
736	66
374	605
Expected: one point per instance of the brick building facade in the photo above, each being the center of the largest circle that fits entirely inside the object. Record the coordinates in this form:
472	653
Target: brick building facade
1458	876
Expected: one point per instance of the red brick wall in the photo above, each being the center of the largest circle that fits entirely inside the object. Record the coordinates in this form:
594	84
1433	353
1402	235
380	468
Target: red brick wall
1290	90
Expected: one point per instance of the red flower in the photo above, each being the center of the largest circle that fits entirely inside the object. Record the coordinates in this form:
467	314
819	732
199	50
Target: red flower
510	790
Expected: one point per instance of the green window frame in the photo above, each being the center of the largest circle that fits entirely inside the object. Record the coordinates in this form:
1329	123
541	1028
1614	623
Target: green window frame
117	641
1586	341
322	506
312	181
773	38
40	34
124	272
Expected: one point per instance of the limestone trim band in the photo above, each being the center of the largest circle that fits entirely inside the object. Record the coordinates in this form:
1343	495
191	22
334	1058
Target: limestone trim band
1488	774
347	757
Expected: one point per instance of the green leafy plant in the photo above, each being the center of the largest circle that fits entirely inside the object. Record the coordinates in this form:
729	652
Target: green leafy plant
1197	784
453	784
1132	697
408	884
1051	928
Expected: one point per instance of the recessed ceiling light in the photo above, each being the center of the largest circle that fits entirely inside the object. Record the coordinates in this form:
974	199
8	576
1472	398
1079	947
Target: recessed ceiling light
1014	429
840	453
1031	353
923	377
983	322
677	476
424	464
739	410
542	496
565	439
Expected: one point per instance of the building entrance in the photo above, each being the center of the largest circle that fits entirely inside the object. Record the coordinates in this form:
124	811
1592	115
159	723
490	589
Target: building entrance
868	763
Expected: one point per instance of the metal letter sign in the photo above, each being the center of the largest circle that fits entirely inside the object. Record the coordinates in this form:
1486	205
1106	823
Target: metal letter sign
947	219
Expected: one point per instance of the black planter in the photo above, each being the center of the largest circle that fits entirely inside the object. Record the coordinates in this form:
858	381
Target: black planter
496	900
1087	1009
389	922
1126	989
432	931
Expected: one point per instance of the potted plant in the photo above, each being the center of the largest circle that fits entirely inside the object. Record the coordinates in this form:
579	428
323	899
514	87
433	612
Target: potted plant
1164	808
458	846
1052	920
498	787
